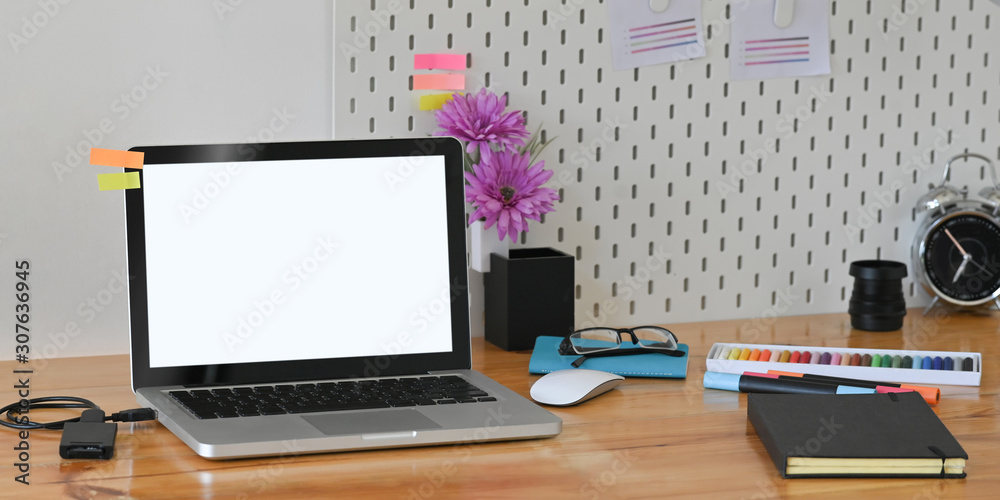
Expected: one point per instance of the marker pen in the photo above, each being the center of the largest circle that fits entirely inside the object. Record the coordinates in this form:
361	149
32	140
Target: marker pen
881	389
750	383
931	394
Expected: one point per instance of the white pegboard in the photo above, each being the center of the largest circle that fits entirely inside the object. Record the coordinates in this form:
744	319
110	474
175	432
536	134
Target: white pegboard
687	196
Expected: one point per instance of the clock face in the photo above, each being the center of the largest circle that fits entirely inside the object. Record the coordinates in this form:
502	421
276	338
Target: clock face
961	258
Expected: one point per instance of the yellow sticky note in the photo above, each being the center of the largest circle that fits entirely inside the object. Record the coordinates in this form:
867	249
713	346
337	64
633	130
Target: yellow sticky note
116	158
434	101
124	180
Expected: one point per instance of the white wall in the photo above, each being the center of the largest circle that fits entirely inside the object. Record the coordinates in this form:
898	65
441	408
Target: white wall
146	72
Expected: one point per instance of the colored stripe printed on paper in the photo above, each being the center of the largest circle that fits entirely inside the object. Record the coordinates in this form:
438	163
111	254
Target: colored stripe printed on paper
116	158
439	61
661	36
114	182
947	363
776	50
440	81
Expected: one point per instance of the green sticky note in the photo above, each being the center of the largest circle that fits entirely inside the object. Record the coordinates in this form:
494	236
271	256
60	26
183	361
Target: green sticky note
124	180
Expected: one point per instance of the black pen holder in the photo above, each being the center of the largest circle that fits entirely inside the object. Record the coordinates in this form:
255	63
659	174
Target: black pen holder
528	294
877	303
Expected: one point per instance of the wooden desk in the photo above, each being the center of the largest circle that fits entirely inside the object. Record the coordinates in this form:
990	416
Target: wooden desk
649	438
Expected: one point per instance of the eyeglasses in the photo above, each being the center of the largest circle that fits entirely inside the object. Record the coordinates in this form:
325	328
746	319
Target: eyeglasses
600	342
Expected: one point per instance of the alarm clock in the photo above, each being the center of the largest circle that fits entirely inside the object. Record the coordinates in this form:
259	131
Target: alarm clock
956	250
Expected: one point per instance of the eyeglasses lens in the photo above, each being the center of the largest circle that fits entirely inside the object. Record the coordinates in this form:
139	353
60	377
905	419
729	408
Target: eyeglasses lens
655	338
594	340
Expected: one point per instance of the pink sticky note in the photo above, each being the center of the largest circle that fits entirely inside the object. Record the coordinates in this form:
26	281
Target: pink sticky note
439	61
441	81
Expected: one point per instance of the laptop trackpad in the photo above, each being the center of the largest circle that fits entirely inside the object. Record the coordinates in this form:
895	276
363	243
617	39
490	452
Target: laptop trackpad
368	423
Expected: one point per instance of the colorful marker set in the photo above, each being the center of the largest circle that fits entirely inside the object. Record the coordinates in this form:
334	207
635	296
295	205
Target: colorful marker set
929	367
826	358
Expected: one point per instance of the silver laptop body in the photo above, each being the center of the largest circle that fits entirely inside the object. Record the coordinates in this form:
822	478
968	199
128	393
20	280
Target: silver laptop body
253	266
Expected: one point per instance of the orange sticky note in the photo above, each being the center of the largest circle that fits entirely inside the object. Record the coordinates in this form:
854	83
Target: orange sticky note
439	61
116	158
434	101
123	180
442	81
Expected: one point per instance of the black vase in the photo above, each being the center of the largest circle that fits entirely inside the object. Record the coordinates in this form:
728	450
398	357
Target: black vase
528	294
877	302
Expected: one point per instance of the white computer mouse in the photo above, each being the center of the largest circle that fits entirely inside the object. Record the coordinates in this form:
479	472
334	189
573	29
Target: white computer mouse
573	386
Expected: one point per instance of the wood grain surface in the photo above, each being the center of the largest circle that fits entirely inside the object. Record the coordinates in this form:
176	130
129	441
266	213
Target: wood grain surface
649	438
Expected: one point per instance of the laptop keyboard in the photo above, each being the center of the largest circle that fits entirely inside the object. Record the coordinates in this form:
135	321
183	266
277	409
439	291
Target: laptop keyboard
329	396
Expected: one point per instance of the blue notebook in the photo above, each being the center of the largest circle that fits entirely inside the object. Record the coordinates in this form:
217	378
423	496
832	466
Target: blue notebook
546	358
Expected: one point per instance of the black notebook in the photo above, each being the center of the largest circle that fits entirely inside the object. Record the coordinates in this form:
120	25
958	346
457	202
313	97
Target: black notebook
855	435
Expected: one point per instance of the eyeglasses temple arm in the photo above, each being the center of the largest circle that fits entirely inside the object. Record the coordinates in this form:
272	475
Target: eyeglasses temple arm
625	352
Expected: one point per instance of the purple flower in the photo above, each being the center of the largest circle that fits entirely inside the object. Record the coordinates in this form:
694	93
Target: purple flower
506	191
480	120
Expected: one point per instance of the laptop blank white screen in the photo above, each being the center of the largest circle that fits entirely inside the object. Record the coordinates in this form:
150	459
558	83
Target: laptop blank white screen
296	259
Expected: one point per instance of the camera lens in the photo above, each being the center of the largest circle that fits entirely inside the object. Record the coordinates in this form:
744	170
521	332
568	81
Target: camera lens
877	302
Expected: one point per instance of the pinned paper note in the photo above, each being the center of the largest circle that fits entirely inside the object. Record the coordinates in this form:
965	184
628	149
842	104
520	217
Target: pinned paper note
116	158
439	81
434	101
759	48
439	61
641	35
124	180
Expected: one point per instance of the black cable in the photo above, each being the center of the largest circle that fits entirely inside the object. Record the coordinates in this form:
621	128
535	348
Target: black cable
17	413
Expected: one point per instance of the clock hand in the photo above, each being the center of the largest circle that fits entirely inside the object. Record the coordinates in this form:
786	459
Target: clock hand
953	240
984	268
965	260
965	256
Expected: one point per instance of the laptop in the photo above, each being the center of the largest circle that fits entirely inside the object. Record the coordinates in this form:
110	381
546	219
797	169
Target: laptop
292	298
